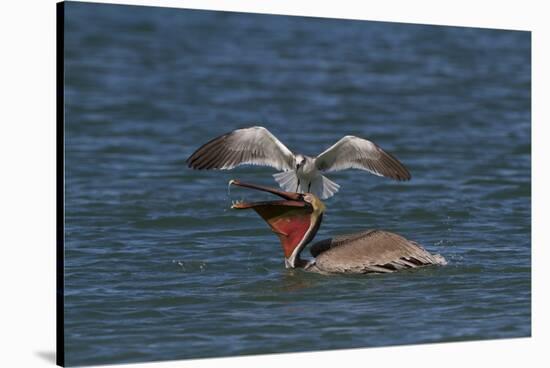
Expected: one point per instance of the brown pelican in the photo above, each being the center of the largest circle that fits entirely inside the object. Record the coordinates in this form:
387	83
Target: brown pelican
296	219
301	173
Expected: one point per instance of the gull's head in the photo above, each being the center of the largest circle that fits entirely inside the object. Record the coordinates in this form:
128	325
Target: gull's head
300	161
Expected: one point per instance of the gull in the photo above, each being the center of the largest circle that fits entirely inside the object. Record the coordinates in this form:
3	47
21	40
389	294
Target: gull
300	173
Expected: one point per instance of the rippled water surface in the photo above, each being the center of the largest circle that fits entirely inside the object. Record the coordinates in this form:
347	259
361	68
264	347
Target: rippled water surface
157	265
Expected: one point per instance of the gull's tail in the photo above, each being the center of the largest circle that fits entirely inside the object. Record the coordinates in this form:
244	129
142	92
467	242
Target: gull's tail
287	180
324	188
321	186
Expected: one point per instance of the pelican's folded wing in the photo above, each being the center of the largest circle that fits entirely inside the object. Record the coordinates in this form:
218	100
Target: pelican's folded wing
357	153
254	146
375	251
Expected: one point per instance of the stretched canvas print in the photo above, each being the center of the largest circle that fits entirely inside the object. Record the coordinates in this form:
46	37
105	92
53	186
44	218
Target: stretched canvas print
233	184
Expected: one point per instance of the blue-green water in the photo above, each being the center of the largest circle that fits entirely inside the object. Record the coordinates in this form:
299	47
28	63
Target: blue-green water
157	265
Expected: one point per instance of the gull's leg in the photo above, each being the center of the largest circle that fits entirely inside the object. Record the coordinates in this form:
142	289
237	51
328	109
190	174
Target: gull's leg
309	188
297	185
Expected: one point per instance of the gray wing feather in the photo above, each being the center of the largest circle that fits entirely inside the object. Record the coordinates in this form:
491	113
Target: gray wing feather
253	146
357	153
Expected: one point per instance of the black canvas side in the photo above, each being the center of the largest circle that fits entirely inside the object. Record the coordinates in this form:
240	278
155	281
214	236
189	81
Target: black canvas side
60	210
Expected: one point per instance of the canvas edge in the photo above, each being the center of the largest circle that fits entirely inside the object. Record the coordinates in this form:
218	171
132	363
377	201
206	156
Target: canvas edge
60	185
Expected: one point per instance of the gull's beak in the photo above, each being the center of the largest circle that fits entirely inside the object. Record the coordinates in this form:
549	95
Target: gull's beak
293	219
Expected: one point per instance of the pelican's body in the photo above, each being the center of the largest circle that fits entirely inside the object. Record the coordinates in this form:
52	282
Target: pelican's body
299	173
371	251
296	220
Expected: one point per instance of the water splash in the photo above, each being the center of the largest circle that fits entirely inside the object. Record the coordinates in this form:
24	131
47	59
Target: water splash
229	188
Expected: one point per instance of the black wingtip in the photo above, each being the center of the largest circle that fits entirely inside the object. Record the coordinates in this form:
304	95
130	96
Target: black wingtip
192	164
406	176
189	162
194	161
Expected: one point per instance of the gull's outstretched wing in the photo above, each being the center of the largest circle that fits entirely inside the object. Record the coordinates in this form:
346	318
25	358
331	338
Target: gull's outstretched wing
357	153
253	146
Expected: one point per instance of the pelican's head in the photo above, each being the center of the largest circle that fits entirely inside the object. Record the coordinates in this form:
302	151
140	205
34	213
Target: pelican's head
295	219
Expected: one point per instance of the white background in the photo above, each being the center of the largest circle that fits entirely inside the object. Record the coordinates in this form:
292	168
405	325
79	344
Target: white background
27	206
